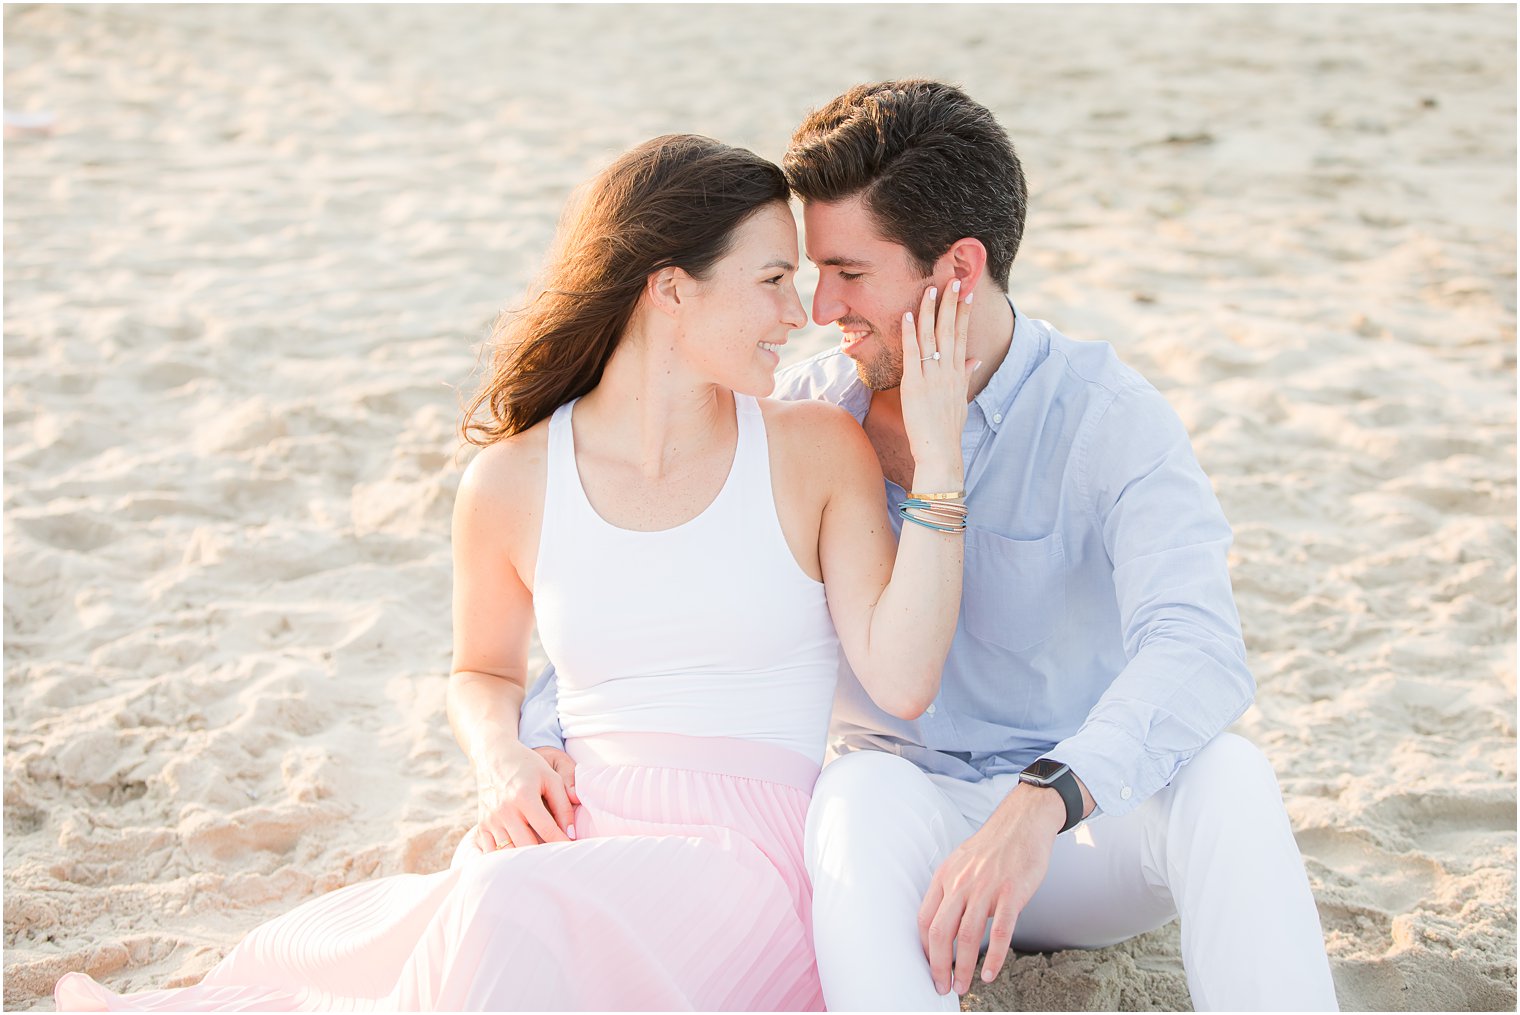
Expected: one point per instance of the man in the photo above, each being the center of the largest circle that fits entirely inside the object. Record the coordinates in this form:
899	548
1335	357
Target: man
1072	785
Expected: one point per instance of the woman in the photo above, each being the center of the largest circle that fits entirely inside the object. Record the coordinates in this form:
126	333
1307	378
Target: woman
694	557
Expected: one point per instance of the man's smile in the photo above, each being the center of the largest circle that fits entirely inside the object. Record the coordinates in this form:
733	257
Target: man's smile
852	340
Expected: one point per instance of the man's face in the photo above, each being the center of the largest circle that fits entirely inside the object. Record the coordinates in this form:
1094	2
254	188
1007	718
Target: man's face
865	283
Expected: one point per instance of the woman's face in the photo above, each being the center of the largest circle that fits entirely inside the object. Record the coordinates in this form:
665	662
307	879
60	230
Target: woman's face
745	308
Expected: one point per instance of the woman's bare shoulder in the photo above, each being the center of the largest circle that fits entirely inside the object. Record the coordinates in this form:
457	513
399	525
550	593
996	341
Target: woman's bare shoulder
509	471
823	434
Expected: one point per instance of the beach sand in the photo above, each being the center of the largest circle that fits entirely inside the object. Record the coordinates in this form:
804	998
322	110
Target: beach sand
249	271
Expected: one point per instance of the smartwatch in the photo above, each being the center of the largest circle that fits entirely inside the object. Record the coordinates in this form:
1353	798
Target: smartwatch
1052	774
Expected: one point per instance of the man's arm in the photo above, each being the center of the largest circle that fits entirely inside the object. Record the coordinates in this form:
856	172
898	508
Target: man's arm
1186	679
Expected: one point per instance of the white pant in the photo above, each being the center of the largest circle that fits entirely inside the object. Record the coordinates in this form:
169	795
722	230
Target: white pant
1215	847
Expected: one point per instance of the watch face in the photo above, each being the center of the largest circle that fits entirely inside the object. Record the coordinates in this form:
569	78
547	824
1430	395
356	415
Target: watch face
1045	769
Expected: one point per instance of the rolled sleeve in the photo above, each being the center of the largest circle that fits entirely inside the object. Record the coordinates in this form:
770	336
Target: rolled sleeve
1186	677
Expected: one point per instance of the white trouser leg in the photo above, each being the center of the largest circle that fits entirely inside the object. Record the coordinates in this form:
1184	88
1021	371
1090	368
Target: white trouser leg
1094	894
1251	938
877	830
1215	847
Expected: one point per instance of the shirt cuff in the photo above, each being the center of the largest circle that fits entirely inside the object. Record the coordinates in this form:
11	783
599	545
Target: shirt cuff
1114	766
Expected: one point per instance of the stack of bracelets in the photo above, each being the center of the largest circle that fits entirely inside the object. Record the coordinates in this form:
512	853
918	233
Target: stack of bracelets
942	512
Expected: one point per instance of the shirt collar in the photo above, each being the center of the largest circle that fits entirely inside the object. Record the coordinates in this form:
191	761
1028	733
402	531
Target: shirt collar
856	399
1018	364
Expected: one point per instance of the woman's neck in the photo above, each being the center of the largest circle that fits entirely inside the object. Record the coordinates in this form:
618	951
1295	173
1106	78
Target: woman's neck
651	411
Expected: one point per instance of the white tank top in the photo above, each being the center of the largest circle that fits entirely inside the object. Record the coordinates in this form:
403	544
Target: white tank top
708	629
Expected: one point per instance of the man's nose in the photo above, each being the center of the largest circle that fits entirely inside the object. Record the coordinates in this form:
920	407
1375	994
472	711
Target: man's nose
827	308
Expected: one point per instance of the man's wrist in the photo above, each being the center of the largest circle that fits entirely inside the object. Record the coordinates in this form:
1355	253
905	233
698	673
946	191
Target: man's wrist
1040	805
1049	773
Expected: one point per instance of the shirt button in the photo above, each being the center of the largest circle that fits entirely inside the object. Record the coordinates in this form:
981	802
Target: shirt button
997	417
929	710
1126	793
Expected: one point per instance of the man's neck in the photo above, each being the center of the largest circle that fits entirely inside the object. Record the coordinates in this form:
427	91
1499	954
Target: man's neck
886	407
990	337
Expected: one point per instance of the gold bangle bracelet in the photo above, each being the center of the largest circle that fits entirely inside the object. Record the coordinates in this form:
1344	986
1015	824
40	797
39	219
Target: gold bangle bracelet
957	495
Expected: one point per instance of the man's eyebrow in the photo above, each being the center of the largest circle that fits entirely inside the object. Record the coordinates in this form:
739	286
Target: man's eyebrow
842	262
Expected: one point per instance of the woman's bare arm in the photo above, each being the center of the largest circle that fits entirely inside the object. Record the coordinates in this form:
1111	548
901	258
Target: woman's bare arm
895	606
522	800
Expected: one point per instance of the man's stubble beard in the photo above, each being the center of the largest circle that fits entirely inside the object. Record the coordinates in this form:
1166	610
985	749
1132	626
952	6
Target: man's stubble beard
882	372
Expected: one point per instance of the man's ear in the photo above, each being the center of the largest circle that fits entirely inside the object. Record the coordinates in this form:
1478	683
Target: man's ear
665	289
966	260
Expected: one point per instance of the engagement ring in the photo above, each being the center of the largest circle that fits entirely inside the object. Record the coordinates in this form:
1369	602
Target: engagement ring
928	358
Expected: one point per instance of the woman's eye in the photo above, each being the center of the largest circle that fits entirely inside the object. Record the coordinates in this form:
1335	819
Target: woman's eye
775	281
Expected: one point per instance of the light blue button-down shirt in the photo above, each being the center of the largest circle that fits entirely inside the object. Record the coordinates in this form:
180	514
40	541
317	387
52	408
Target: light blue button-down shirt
1097	624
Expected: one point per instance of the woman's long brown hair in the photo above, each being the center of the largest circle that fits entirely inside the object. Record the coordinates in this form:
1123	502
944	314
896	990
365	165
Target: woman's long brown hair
673	201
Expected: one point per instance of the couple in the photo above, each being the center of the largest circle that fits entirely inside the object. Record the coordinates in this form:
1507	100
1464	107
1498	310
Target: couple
1042	647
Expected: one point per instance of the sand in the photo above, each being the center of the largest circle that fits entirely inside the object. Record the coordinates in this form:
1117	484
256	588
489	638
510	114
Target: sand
249	265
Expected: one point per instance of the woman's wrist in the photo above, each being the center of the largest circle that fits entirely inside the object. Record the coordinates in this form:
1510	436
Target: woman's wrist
503	752
938	477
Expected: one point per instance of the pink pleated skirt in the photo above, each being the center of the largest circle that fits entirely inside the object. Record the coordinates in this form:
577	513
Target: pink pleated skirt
685	890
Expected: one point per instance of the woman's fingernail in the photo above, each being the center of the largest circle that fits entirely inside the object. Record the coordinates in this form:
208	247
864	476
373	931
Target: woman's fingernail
969	295
955	286
570	831
933	292
910	317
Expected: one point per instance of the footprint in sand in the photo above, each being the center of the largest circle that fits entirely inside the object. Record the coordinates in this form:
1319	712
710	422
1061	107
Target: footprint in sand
1386	882
217	838
78	531
167	376
1442	823
250	425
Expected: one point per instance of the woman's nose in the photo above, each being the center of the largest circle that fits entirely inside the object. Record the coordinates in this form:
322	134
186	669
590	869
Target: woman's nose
796	316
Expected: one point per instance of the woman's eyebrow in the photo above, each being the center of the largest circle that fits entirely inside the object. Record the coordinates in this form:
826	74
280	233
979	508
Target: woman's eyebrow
778	263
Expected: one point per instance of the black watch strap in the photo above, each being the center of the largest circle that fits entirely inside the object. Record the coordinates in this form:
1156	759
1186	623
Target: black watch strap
1064	783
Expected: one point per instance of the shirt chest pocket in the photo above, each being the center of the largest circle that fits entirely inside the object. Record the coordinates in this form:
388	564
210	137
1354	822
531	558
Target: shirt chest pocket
1015	589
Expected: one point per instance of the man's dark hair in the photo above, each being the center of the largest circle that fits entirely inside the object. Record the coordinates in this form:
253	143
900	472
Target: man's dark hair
932	165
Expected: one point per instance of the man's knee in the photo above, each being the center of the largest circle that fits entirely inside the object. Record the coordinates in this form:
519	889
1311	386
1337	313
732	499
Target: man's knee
866	799
1228	774
1234	760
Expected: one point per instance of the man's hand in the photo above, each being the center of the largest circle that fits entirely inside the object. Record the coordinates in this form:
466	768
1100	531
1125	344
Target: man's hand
993	874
